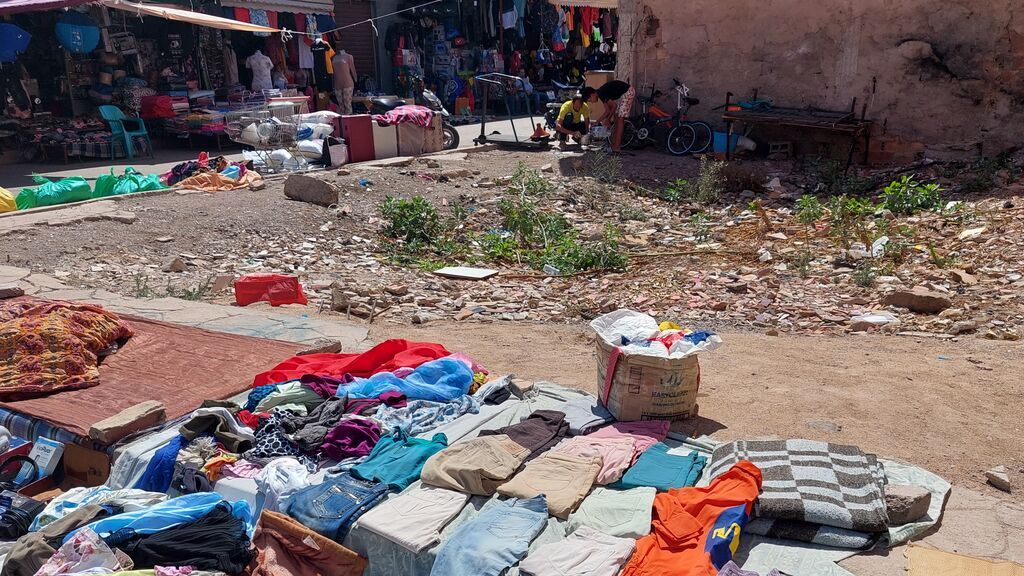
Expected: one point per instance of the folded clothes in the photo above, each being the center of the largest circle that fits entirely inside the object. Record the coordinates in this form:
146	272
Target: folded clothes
476	466
659	469
397	460
563	479
585	415
645	434
538	432
585	552
623	513
414	519
616	454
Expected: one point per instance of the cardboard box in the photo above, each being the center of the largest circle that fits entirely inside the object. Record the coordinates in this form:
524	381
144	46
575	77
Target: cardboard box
47	454
85	465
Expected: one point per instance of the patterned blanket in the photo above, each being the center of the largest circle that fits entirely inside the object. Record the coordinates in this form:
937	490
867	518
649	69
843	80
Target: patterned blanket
46	347
813	483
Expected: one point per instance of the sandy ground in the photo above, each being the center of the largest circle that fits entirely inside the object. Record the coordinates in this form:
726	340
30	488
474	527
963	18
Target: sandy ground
953	408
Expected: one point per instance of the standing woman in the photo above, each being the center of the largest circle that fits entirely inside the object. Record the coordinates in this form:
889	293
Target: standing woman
617	97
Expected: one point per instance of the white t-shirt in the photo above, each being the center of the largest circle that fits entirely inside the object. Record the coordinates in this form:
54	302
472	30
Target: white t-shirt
261	66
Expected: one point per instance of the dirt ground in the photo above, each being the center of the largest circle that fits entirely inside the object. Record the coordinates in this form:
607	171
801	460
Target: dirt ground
952	408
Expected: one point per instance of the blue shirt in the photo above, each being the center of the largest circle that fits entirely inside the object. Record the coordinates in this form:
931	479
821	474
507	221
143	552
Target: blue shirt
174	512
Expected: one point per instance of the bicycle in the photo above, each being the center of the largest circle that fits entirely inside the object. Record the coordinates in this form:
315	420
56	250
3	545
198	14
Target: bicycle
683	136
677	142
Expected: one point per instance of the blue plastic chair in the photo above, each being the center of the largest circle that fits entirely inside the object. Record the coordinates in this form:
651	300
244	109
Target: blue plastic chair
118	128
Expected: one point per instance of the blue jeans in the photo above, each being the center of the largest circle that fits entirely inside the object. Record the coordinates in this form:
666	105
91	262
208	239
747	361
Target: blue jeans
332	507
493	540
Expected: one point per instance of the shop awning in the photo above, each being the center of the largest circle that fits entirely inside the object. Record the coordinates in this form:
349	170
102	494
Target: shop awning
181	15
18	6
586	3
296	6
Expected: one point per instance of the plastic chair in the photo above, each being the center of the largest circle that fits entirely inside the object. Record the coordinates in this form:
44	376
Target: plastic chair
118	128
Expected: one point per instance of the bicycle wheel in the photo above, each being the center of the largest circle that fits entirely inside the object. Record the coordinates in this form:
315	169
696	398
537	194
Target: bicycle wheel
704	137
680	139
628	133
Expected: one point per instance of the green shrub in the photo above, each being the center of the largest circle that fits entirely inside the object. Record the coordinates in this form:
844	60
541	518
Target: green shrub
908	196
710	184
410	220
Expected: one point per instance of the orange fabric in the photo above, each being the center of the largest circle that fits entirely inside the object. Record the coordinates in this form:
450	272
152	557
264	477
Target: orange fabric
215	182
686	518
285	547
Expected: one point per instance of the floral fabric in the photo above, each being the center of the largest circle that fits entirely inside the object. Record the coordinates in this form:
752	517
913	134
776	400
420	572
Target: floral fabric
85	553
47	347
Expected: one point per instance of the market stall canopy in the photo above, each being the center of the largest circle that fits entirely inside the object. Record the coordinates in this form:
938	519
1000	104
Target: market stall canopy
198	18
296	6
18	6
586	3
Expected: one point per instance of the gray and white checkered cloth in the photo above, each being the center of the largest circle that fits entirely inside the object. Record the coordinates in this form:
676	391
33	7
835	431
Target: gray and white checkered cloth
815	482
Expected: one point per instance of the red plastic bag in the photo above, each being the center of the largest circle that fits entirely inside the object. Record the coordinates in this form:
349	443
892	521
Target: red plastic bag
277	289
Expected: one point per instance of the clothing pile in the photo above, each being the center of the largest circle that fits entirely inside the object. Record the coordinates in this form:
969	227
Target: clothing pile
411	459
48	347
211	174
639	334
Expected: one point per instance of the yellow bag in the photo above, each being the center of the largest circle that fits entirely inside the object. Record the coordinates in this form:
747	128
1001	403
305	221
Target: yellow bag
7	203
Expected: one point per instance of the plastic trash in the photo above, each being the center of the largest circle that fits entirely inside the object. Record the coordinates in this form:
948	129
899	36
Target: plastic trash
104	185
233	172
277	289
877	318
133	181
365	182
7	201
49	193
878	247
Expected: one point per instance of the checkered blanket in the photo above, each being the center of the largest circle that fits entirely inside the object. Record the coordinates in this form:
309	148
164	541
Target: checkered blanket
813	482
101	149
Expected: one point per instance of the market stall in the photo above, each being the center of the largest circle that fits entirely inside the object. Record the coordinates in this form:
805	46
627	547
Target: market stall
451	42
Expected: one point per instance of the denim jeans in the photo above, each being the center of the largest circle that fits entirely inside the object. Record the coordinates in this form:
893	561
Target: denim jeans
496	538
332	507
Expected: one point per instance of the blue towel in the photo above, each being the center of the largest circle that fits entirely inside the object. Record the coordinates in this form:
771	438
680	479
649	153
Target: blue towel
160	470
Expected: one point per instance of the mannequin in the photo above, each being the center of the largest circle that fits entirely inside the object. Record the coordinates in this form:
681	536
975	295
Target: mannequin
261	66
344	80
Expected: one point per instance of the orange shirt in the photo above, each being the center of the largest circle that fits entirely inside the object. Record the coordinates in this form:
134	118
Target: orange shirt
695	531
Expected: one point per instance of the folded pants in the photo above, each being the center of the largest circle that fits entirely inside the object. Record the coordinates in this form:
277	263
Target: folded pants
477	466
623	513
496	538
586	552
332	507
564	480
415	518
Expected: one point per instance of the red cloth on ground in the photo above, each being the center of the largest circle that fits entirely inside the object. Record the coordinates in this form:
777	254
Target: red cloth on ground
387	356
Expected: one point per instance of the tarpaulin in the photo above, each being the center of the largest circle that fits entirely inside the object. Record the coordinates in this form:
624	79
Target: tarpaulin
181	15
387	356
18	6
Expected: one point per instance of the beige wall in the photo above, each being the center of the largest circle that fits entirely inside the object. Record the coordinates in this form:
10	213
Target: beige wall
940	76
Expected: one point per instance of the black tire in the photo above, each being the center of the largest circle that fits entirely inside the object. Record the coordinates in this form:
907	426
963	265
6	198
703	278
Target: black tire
628	133
680	140
704	137
451	137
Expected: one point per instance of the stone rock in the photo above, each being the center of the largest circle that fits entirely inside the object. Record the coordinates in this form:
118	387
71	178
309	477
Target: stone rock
906	504
952	314
257	186
547	168
972	233
964	327
921	301
423	317
999	478
312	190
464	313
165	239
138	417
123	217
772	332
862	326
222	282
397	289
321	346
737	287
720	306
175	264
963	277
10	292
344	172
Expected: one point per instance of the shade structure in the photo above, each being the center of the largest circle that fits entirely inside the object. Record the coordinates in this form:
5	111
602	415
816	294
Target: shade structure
586	3
198	18
19	6
13	40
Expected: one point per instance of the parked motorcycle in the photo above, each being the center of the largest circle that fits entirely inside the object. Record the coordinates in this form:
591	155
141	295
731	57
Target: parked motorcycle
428	99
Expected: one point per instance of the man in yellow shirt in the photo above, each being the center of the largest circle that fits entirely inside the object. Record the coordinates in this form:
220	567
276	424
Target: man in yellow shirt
574	117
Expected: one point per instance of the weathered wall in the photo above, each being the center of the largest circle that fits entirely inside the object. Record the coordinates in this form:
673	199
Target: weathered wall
939	76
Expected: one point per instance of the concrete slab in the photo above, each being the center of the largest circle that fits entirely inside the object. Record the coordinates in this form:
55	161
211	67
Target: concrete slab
104	209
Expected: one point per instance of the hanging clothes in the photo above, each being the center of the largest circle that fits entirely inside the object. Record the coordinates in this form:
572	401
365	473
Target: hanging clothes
305	56
257	16
230	66
321	60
